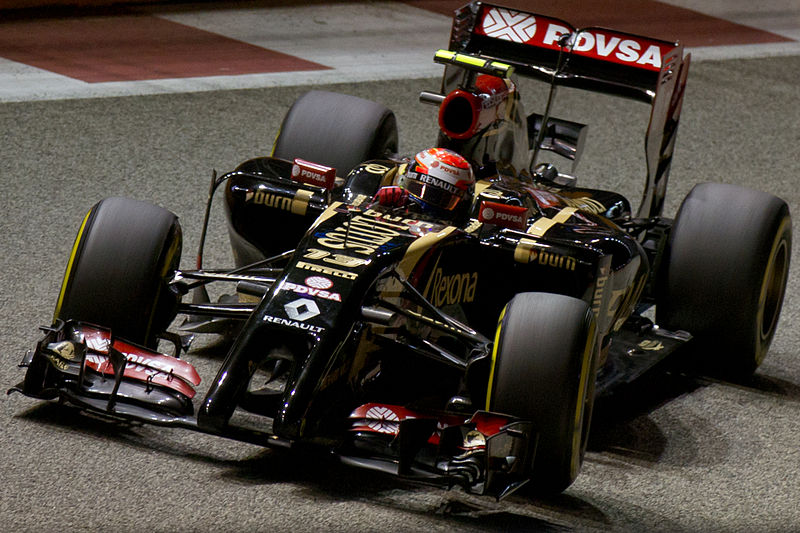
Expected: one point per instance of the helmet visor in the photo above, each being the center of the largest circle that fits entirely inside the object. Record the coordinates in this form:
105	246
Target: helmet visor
431	194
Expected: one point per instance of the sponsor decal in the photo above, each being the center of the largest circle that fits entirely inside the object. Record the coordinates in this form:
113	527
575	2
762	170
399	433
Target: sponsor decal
292	324
602	279
149	369
509	216
474	439
527	251
344	260
311	291
436	182
651	345
509	25
313	174
544	198
298	204
365	233
96	339
376	168
451	289
57	362
326	270
319	282
301	309
382	420
544	32
64	349
584	203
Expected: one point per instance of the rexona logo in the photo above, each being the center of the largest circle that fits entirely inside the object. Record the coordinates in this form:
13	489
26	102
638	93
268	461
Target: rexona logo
508	216
544	32
451	289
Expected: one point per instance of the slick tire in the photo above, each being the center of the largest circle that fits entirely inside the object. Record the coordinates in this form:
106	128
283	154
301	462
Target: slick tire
123	257
724	275
336	130
544	369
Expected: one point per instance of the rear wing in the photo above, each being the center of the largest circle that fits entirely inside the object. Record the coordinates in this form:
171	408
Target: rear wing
594	59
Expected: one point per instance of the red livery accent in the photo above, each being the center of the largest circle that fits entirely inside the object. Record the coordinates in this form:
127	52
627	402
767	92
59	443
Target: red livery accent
157	361
544	199
96	339
381	418
143	364
508	216
384	418
313	174
483	107
596	43
141	372
489	424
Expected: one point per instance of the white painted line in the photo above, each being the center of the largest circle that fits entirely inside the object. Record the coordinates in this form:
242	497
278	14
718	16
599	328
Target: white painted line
31	87
361	42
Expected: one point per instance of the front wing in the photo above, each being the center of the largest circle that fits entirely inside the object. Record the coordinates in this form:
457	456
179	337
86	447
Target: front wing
85	366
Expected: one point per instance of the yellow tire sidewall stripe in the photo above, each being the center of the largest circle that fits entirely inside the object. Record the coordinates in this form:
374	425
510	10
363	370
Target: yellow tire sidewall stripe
70	265
577	429
494	358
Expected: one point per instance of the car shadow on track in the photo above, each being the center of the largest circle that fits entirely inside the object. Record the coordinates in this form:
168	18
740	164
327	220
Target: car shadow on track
322	477
621	422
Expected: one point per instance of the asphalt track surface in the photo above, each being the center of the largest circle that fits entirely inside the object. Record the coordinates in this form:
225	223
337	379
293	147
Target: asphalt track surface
674	454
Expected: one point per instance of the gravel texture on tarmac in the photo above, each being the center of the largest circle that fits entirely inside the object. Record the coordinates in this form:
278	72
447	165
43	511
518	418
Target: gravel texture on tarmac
671	454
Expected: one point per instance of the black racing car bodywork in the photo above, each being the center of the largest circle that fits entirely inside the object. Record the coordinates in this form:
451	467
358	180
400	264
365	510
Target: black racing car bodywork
457	351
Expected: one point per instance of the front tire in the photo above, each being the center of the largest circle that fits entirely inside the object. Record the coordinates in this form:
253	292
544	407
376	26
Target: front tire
123	258
725	275
544	369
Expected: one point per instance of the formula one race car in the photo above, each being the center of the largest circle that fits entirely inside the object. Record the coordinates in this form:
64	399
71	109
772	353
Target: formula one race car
464	349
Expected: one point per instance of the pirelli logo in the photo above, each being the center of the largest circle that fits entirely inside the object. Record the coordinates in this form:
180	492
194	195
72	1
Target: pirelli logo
326	270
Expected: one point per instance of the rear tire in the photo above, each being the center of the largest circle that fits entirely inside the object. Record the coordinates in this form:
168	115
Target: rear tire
123	258
336	130
725	274
544	371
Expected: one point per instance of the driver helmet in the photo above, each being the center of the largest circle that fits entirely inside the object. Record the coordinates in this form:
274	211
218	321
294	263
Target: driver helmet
439	180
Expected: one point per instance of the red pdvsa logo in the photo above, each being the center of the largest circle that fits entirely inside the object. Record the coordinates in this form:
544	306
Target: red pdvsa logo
544	32
508	216
313	174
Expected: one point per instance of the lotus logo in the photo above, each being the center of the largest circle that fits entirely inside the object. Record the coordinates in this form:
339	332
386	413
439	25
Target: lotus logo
301	309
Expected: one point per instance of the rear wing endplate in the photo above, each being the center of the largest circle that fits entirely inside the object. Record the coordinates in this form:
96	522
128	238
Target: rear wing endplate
594	59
